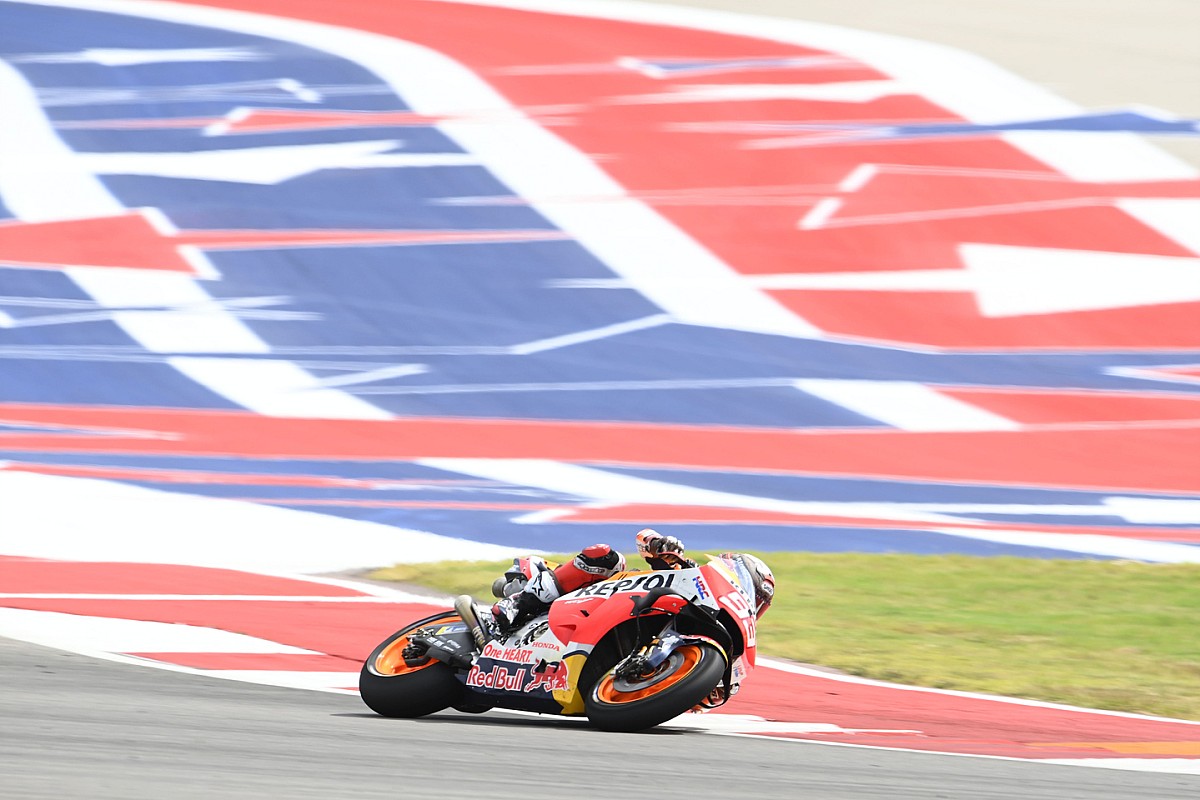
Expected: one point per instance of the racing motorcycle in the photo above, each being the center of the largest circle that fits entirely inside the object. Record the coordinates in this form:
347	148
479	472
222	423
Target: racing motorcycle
629	652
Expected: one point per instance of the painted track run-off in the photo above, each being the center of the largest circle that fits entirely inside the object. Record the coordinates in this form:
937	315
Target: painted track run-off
312	633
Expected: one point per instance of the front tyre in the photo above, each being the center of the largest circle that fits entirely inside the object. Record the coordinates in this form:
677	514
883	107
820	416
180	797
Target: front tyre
677	685
394	687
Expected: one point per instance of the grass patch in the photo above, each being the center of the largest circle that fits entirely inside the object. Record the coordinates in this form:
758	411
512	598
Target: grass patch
1122	636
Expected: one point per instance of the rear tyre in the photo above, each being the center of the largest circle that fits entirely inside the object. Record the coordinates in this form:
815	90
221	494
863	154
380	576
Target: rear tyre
679	683
394	687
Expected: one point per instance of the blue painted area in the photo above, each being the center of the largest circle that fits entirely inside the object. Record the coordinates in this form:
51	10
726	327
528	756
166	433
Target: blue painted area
462	312
447	503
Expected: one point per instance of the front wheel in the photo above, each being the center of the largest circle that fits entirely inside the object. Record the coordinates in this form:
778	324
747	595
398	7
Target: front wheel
677	685
394	687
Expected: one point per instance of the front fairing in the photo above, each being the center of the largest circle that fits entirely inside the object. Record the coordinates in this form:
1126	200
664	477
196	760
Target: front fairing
735	594
584	616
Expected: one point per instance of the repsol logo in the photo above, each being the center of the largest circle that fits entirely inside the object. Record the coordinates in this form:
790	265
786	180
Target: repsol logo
652	580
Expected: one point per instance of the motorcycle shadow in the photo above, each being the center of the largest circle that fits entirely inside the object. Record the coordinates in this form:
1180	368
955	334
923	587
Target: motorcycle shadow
506	719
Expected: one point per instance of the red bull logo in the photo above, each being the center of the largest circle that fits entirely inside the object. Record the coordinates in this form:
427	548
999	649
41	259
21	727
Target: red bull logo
499	678
551	679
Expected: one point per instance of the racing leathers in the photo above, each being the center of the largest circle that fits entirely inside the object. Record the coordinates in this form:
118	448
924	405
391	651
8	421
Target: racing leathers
593	564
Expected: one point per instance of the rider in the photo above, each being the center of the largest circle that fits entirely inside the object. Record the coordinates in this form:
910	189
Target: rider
593	564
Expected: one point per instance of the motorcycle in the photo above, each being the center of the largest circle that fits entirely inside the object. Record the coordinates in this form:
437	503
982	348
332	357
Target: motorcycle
630	652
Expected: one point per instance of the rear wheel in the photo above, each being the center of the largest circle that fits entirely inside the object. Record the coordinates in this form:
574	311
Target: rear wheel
394	686
634	703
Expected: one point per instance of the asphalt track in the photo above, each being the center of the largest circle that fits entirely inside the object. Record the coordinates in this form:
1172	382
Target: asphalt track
71	725
75	726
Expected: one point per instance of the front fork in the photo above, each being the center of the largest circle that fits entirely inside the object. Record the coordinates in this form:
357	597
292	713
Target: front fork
650	656
644	662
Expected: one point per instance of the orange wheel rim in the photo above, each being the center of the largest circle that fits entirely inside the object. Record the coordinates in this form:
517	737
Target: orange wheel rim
391	660
607	691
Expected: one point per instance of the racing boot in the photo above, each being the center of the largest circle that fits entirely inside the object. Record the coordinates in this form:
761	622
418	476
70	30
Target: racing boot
514	611
480	622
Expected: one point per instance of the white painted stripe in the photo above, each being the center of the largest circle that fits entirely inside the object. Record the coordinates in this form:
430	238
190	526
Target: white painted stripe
1155	510
275	388
595	334
80	519
819	214
904	280
748	723
71	631
908	406
191	320
1178	219
319	681
609	487
1101	156
1097	545
372	375
41	179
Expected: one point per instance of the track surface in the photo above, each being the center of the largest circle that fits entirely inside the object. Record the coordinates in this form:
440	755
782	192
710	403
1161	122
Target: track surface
80	727
76	726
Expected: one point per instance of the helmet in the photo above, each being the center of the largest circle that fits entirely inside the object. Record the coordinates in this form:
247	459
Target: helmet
761	575
764	583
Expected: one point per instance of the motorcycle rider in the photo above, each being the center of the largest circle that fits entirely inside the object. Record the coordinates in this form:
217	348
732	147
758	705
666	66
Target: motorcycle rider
593	564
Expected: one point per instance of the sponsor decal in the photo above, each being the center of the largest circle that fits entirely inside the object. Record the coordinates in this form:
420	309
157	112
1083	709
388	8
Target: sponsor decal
521	655
701	588
536	632
652	580
498	678
551	678
547	676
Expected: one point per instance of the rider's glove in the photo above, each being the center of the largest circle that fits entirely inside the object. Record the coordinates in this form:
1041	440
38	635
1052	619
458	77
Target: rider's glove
652	544
666	544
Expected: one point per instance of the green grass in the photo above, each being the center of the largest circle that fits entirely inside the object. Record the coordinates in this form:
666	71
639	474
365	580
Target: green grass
1103	634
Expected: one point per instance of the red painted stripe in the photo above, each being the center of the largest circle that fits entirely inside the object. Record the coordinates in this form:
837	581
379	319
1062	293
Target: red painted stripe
349	630
1048	406
1086	457
29	576
945	723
